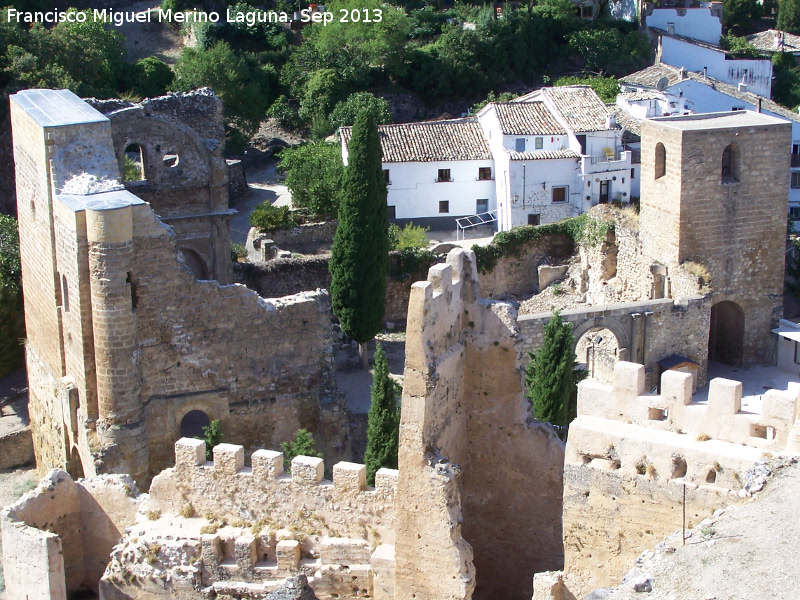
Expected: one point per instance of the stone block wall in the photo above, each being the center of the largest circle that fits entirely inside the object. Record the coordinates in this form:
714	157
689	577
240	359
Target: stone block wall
462	408
733	223
630	455
16	449
57	538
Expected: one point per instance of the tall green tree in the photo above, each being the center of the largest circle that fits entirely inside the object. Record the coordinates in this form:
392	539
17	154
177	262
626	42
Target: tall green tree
383	421
12	319
550	378
789	16
314	176
360	255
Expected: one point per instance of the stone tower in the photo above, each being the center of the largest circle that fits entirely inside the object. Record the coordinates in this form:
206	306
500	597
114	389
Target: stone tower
714	191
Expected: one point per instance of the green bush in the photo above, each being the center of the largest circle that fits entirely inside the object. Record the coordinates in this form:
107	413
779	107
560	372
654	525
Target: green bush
302	445
12	318
285	114
605	87
314	176
410	262
238	251
409	237
344	113
738	47
212	436
266	217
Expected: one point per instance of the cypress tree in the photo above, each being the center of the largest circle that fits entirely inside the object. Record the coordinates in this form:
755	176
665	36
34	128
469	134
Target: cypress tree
789	16
360	255
549	377
383	421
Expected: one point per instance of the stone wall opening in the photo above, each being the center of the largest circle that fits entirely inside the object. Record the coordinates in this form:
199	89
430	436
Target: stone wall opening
134	163
726	334
597	350
195	263
661	161
75	466
193	423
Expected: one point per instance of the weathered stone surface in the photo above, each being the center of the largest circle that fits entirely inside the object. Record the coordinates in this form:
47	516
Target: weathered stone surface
294	588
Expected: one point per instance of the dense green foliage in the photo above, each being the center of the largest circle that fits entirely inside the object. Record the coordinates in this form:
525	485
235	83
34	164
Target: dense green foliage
789	16
266	217
345	112
609	50
282	111
492	97
246	87
738	47
147	77
409	237
302	445
383	421
741	13
549	376
411	262
12	319
314	176
360	255
786	82
605	87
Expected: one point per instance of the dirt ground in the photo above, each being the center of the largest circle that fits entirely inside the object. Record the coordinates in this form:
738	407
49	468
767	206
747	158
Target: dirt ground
748	552
151	39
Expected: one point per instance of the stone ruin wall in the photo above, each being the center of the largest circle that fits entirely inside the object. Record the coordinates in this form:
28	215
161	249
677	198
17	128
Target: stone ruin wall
57	538
192	195
241	530
123	342
476	518
630	454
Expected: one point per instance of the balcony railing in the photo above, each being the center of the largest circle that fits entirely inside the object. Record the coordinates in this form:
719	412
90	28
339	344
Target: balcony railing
616	197
611	156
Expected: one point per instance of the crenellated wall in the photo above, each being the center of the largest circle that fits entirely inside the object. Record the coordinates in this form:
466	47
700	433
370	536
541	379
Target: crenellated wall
233	528
631	454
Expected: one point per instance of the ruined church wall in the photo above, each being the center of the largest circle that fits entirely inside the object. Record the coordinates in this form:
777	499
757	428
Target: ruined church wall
230	353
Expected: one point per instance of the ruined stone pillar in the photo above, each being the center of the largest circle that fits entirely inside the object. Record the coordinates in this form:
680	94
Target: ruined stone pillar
120	425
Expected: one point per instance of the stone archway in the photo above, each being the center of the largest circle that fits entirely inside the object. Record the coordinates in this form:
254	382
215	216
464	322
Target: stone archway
613	325
195	262
193	422
75	465
726	334
598	349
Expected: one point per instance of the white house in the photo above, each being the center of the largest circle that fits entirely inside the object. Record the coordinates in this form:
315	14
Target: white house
700	23
704	94
435	171
549	155
712	60
558	151
771	41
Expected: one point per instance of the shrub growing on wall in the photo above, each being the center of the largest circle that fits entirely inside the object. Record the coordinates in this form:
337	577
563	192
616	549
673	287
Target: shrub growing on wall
302	445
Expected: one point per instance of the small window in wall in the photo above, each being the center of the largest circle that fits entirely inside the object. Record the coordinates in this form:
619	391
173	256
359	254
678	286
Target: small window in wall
444	175
520	145
134	163
539	143
392	210
735	108
730	169
796	154
796	357
794	211
484	173
633	172
661	161
534	219
796	181
481	206
386	176
134	299
444	206
560	193
171	159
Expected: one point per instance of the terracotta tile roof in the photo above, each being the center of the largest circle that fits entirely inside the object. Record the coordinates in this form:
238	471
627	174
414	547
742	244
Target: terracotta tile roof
579	106
459	139
765	41
541	154
631	126
526	118
649	77
673	75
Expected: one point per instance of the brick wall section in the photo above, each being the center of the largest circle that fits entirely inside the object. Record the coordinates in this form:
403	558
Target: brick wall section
737	228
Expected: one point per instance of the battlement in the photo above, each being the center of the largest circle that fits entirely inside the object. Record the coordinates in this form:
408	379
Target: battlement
267	465
720	418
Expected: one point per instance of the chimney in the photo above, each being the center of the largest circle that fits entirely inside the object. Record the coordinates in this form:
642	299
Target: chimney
705	72
758	104
611	121
742	87
670	29
777	39
683	73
